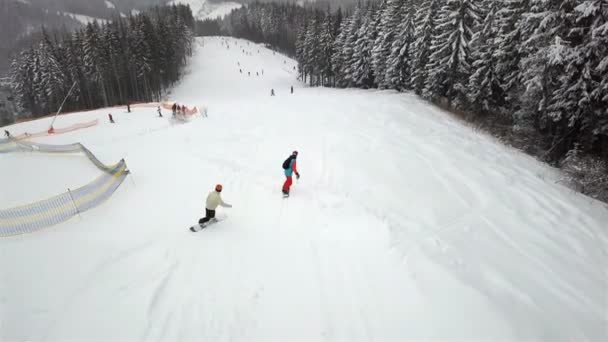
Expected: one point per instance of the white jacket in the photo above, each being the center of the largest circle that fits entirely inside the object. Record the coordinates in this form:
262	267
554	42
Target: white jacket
214	199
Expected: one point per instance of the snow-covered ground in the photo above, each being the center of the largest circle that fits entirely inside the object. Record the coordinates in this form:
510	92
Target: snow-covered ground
202	9
404	225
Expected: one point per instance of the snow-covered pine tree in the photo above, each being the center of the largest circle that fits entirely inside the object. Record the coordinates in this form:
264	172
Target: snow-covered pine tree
450	60
301	48
485	93
313	50
337	59
424	31
386	30
571	103
104	61
362	73
592	16
53	82
398	74
546	51
508	53
22	77
80	95
326	42
349	47
93	63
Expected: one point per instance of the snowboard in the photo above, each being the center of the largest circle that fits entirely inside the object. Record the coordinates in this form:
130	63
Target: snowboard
200	226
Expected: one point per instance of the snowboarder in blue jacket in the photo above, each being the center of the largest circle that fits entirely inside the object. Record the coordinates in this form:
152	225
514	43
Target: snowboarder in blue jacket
290	167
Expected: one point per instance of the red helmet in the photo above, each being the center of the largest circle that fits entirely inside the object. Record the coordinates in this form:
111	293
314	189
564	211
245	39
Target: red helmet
218	188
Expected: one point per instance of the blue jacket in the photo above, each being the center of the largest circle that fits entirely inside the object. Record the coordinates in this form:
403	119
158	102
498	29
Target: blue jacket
292	168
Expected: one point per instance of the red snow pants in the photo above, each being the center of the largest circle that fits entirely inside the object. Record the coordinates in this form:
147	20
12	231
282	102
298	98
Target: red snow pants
287	183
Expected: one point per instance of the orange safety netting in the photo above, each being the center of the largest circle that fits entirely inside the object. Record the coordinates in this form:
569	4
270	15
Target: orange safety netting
53	130
188	111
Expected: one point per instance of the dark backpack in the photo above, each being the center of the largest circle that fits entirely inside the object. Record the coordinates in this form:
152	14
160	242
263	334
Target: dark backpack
287	163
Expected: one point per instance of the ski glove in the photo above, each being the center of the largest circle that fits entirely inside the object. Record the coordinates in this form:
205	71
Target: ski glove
297	175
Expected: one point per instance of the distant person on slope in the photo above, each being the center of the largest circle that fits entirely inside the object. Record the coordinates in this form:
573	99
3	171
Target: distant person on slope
271	92
111	118
213	201
7	133
289	165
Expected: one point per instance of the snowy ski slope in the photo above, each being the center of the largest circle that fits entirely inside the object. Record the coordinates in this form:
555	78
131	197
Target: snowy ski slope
203	9
404	225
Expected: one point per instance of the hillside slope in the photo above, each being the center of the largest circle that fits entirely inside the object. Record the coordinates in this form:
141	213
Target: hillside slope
404	224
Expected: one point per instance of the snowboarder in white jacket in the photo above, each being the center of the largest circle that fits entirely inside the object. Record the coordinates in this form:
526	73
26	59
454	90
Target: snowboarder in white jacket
214	199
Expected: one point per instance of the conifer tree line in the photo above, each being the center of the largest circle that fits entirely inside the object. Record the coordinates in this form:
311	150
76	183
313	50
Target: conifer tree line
539	65
124	60
271	23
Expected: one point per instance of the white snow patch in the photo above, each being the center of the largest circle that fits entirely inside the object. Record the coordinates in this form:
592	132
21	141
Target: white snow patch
135	12
84	19
202	9
109	4
221	10
405	225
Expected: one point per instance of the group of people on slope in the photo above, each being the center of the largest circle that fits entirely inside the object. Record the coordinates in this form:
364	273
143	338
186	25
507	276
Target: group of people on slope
177	109
214	198
272	93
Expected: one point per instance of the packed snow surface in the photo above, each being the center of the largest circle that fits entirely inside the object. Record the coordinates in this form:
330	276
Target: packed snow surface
405	224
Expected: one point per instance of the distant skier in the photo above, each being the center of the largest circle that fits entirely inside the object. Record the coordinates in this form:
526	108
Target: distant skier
111	118
174	108
248	73
262	72
289	165
241	71
257	73
184	109
292	89
271	92
214	199
160	114
128	107
7	133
